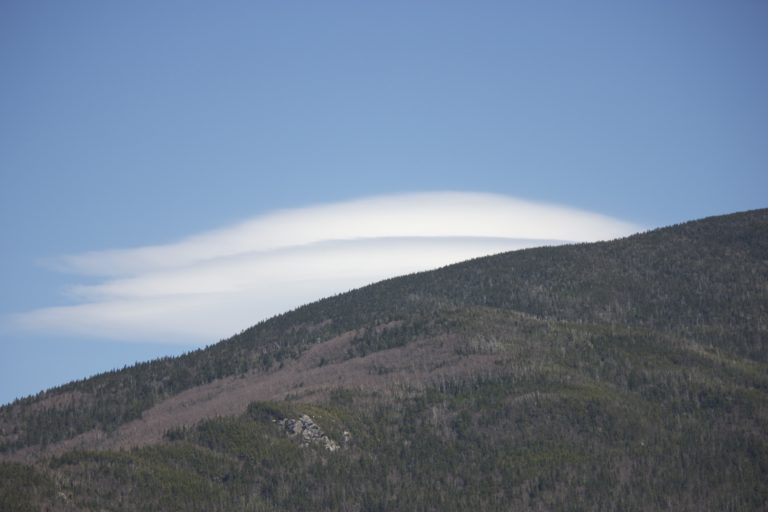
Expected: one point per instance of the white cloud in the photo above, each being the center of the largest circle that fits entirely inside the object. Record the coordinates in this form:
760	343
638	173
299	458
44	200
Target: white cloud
211	285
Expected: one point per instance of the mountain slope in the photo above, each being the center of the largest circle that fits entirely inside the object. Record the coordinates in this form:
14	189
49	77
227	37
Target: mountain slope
630	374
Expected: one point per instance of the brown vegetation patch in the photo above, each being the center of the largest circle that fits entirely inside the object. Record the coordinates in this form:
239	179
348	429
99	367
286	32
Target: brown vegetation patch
321	369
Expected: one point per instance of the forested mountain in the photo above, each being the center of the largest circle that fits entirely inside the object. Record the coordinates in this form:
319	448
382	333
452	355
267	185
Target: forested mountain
621	375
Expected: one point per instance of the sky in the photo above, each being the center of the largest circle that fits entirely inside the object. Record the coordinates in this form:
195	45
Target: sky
174	172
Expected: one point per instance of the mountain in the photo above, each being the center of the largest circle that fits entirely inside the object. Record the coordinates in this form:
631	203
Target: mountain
621	375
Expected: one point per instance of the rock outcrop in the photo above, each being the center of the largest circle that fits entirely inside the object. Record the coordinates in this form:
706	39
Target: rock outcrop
310	432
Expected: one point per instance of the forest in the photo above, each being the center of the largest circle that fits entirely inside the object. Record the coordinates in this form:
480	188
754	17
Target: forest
622	375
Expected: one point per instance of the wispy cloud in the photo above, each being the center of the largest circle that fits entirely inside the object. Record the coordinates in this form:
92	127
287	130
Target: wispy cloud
208	286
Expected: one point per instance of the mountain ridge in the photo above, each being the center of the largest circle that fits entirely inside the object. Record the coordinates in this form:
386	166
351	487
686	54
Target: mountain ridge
423	286
669	324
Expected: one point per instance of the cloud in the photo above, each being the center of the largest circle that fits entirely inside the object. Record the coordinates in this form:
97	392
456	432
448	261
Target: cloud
211	285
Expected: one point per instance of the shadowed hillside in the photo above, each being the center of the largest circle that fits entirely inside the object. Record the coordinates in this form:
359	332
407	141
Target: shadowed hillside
622	375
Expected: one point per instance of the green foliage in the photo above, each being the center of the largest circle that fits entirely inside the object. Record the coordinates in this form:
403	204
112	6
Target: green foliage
23	488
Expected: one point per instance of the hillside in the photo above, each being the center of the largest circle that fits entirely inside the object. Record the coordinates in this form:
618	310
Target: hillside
622	375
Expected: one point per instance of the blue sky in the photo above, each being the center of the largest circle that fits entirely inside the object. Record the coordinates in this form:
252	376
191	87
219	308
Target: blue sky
141	124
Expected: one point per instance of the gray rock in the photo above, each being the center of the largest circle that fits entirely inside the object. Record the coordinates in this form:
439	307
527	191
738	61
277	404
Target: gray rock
310	432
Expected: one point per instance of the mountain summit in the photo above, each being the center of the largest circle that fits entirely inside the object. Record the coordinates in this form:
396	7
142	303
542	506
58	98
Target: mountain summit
621	375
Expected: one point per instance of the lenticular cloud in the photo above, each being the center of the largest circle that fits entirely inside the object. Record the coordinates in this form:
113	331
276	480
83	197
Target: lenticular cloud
210	285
